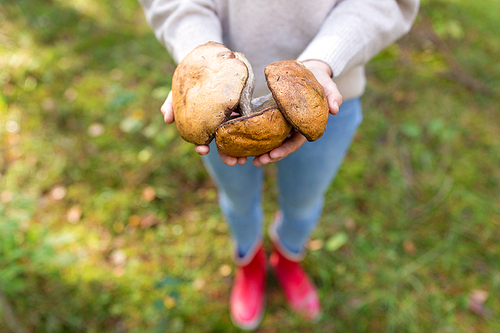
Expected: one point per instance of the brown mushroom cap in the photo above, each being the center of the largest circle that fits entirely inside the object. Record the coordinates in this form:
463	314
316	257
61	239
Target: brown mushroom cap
254	134
206	88
299	96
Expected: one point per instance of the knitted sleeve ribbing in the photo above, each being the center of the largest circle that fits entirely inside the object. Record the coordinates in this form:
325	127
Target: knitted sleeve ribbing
356	30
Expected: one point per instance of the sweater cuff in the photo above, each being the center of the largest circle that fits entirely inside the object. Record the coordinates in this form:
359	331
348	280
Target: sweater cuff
338	55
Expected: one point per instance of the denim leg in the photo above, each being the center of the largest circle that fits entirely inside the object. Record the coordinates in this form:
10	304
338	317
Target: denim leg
239	190
305	175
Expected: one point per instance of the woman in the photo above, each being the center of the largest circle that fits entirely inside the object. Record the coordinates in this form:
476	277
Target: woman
334	39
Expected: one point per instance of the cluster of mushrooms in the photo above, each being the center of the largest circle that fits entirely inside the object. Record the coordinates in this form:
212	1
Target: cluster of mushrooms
212	97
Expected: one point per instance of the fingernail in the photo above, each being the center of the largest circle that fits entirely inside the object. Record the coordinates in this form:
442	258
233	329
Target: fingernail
336	106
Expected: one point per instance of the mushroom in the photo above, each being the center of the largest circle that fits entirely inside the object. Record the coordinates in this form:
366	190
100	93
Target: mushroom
206	89
299	96
212	97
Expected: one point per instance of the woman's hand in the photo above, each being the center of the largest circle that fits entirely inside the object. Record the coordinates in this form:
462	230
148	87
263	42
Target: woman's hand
323	74
293	142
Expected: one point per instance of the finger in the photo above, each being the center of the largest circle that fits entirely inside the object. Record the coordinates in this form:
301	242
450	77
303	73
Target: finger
333	97
282	151
241	160
323	74
289	146
264	159
256	162
167	109
202	149
226	159
167	104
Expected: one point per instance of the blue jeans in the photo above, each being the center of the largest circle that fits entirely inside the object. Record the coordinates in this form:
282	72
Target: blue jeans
303	178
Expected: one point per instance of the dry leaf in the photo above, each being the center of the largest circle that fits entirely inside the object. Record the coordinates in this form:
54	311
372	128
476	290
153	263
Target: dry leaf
149	194
148	221
314	245
95	130
350	224
58	192
477	298
199	283
409	247
118	258
225	270
74	214
134	220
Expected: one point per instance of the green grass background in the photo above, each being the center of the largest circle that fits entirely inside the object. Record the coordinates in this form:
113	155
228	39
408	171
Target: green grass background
109	222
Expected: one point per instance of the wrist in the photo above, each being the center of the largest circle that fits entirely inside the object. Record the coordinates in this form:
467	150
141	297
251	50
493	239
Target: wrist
318	64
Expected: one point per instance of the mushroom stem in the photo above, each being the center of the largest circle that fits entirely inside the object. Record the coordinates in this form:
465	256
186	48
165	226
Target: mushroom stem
247	92
262	102
247	105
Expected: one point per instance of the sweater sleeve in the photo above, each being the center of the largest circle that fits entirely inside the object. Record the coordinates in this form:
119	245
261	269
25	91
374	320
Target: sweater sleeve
356	30
182	25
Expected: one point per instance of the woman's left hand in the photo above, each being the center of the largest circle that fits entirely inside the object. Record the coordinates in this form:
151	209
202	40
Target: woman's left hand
295	140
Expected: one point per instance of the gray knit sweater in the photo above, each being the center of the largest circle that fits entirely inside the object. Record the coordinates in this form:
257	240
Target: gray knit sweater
345	34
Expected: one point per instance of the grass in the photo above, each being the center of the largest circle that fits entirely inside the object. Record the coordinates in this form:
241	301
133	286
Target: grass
110	223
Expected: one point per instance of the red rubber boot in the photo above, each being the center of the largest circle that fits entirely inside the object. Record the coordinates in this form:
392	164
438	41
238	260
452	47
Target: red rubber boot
300	291
247	300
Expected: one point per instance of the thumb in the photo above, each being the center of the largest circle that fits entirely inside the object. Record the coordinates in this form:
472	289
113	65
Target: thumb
167	109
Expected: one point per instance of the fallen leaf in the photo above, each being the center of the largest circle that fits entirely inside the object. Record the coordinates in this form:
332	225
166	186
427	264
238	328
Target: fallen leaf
350	224
315	244
118	258
149	194
225	270
148	221
336	241
134	220
199	283
409	247
58	192
74	214
95	130
476	302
